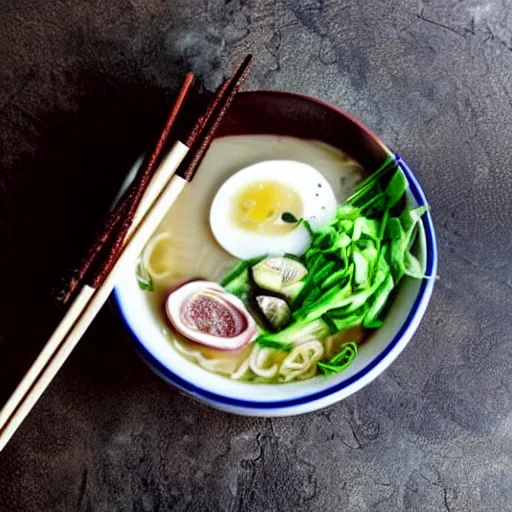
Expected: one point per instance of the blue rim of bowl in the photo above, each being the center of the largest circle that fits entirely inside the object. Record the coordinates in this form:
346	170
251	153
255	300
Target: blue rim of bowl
422	297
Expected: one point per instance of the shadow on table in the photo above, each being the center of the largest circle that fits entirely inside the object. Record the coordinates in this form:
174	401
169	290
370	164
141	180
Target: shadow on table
77	165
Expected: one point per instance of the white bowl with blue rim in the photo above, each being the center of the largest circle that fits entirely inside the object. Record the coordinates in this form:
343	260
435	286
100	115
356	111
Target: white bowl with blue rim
295	115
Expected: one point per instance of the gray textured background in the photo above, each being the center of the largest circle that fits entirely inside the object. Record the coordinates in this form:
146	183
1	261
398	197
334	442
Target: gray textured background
84	86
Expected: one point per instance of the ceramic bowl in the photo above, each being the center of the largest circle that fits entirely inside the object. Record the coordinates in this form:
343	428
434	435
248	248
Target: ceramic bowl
265	112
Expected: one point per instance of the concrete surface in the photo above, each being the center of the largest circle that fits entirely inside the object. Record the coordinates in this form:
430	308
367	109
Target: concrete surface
90	78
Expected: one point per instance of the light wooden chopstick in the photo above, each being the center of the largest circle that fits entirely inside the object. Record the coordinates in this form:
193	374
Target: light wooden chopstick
120	218
86	306
162	175
160	195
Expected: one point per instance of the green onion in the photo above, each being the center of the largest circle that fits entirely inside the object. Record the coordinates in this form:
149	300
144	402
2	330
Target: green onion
341	361
354	264
143	277
263	342
239	269
289	218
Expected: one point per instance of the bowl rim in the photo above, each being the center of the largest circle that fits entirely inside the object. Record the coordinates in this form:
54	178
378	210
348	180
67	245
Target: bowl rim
383	359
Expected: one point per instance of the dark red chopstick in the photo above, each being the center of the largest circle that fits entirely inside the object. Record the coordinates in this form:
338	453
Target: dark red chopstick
103	253
199	138
127	206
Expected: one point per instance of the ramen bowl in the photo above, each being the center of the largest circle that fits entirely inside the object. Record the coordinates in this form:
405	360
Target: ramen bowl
282	116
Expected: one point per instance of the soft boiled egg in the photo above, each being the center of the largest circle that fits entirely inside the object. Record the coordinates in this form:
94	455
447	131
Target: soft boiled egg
255	211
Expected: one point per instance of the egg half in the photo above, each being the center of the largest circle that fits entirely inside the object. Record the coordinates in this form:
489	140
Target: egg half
255	211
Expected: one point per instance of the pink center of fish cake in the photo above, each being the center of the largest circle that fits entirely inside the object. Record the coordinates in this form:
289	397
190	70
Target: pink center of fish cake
212	315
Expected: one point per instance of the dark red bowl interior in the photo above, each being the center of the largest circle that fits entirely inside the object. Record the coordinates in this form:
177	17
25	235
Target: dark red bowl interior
281	113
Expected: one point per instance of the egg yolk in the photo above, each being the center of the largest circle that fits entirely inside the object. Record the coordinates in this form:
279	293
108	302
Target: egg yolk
259	207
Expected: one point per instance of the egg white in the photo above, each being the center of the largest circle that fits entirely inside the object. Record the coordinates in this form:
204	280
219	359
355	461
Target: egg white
316	195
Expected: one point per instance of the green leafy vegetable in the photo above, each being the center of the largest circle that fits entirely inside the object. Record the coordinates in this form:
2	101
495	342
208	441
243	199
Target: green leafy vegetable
381	297
412	266
362	268
396	189
341	361
289	218
298	332
143	277
369	187
237	280
353	266
270	343
291	291
333	328
239	286
239	269
365	227
359	259
307	225
336	278
344	322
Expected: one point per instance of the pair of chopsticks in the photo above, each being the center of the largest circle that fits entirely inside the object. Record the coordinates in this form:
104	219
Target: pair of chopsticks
125	232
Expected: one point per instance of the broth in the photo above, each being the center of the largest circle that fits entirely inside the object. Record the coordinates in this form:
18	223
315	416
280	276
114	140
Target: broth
185	238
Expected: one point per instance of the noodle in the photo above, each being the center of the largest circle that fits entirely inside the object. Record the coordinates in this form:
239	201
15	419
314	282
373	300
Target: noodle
223	365
301	361
242	370
260	362
184	248
333	344
158	256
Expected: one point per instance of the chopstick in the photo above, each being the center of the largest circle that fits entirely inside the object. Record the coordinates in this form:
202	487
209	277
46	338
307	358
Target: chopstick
138	188
124	250
199	139
127	206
